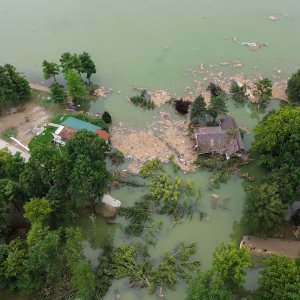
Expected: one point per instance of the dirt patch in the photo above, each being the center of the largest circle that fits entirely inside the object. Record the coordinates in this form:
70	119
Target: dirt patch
26	121
268	246
162	139
39	87
160	97
102	91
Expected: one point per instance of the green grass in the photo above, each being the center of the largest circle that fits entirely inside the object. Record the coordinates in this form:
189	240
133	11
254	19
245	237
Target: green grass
10	132
45	138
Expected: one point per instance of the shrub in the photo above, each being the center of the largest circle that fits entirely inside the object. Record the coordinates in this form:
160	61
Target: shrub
150	166
106	117
182	106
143	100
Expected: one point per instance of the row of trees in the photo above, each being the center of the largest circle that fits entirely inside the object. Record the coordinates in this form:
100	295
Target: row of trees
13	87
279	279
277	146
71	66
200	114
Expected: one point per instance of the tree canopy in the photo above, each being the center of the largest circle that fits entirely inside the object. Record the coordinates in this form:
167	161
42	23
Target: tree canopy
280	280
75	86
13	86
263	91
198	111
50	69
293	88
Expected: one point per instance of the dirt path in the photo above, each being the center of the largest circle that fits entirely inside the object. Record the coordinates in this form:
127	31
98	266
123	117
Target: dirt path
264	247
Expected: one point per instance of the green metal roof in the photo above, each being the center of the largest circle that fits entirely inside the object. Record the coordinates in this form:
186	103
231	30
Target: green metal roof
78	124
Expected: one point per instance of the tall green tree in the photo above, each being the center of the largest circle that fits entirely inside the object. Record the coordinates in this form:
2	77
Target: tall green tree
239	93
87	65
50	69
58	94
208	286
229	262
263	91
75	86
280	280
198	111
217	107
264	209
293	88
69	62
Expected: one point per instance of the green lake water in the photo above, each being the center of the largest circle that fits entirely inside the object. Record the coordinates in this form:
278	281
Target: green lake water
152	44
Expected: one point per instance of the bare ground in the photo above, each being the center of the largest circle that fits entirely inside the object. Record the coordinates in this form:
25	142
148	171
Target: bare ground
25	120
268	246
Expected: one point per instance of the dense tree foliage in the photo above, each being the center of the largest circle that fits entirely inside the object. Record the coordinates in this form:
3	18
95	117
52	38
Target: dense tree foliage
75	86
280	280
224	278
182	106
87	65
215	90
208	286
50	69
198	111
13	86
263	91
106	117
277	140
50	261
264	209
293	88
238	92
217	107
58	94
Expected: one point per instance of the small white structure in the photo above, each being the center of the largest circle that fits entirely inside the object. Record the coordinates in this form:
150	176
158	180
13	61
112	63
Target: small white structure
109	200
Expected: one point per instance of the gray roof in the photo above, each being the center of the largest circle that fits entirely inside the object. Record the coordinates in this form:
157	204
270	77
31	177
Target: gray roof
223	139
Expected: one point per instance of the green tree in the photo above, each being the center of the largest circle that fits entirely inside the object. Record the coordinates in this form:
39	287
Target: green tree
263	91
208	286
229	263
89	178
69	62
75	86
37	210
106	117
50	69
277	140
217	107
58	94
280	280
198	111
293	88
87	65
238	92
264	210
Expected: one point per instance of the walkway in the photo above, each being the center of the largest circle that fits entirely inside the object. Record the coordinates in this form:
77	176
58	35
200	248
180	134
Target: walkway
268	246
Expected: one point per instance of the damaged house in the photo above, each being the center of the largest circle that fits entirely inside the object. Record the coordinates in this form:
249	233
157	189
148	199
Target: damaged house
224	139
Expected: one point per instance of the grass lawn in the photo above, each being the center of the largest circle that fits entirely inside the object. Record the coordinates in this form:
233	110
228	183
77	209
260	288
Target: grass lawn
45	138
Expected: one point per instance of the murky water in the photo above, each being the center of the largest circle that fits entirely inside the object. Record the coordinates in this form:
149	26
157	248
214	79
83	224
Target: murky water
152	44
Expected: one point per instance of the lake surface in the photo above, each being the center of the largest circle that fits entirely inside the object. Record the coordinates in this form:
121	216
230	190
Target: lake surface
154	44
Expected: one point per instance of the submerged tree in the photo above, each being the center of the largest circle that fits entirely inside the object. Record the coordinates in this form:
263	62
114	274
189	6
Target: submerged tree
198	111
75	86
263	91
50	69
239	92
87	65
280	279
293	88
215	90
58	94
182	106
217	107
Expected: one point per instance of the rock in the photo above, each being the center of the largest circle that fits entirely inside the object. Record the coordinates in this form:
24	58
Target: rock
273	18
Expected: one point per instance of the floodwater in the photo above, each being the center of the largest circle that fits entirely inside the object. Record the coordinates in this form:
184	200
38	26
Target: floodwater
153	44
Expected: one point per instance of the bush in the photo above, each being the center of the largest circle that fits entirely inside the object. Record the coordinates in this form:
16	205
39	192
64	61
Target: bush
150	166
143	100
106	117
182	106
58	94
